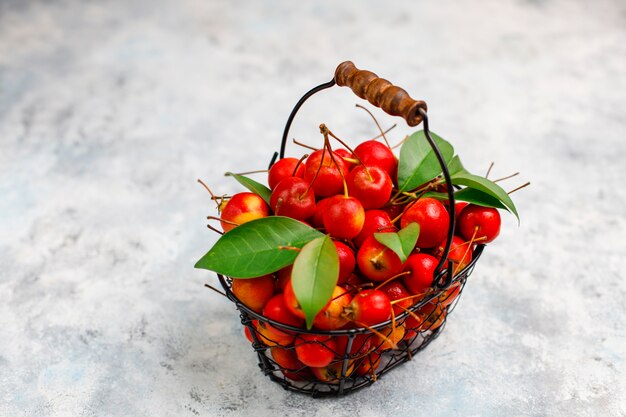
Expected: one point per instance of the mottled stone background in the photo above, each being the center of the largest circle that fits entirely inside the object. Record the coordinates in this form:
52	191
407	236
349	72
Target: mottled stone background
109	111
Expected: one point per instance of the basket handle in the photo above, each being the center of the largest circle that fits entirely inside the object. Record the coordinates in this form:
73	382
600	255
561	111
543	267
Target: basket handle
380	92
397	102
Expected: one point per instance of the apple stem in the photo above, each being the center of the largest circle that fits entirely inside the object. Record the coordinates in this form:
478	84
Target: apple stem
507	177
410	297
258	171
316	172
489	169
391	279
325	131
380	135
210	192
411	313
331	134
216	290
214	229
305	156
377	124
519	188
304	145
377	333
222	220
467	249
400	143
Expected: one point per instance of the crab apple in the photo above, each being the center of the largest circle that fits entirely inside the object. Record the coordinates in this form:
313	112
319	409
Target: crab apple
329	180
344	217
373	153
354	281
246	331
284	168
368	365
277	310
271	336
370	185
433	219
376	221
484	222
331	316
397	291
292	302
318	216
458	207
254	292
347	261
288	362
242	208
361	345
315	350
449	295
331	374
422	272
293	198
369	307
428	317
347	156
392	336
376	261
434	315
460	253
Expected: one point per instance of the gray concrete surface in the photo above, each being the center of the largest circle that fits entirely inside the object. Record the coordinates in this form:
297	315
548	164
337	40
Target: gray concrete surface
109	111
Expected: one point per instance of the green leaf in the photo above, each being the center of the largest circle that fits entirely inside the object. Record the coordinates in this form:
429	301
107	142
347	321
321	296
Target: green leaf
392	241
436	195
408	237
486	186
257	188
455	166
253	249
418	162
403	242
314	276
480	198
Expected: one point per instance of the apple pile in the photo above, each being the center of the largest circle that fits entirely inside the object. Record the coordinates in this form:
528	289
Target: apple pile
351	238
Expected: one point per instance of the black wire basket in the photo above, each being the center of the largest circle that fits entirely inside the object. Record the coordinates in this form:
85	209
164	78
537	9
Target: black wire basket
362	355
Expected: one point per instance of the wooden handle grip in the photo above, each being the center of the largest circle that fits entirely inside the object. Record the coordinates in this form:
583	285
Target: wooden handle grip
380	92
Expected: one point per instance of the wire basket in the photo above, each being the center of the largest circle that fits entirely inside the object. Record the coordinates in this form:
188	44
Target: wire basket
362	355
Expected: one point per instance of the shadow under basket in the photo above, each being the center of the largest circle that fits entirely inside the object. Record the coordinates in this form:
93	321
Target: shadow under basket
356	364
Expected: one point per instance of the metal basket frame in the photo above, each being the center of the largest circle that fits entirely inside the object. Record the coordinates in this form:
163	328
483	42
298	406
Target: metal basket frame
347	381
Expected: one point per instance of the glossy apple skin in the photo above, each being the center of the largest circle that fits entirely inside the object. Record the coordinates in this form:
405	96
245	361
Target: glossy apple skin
433	219
373	153
370	307
376	221
254	292
344	217
284	168
376	261
485	220
328	181
422	267
316	351
242	208
370	185
293	198
347	261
